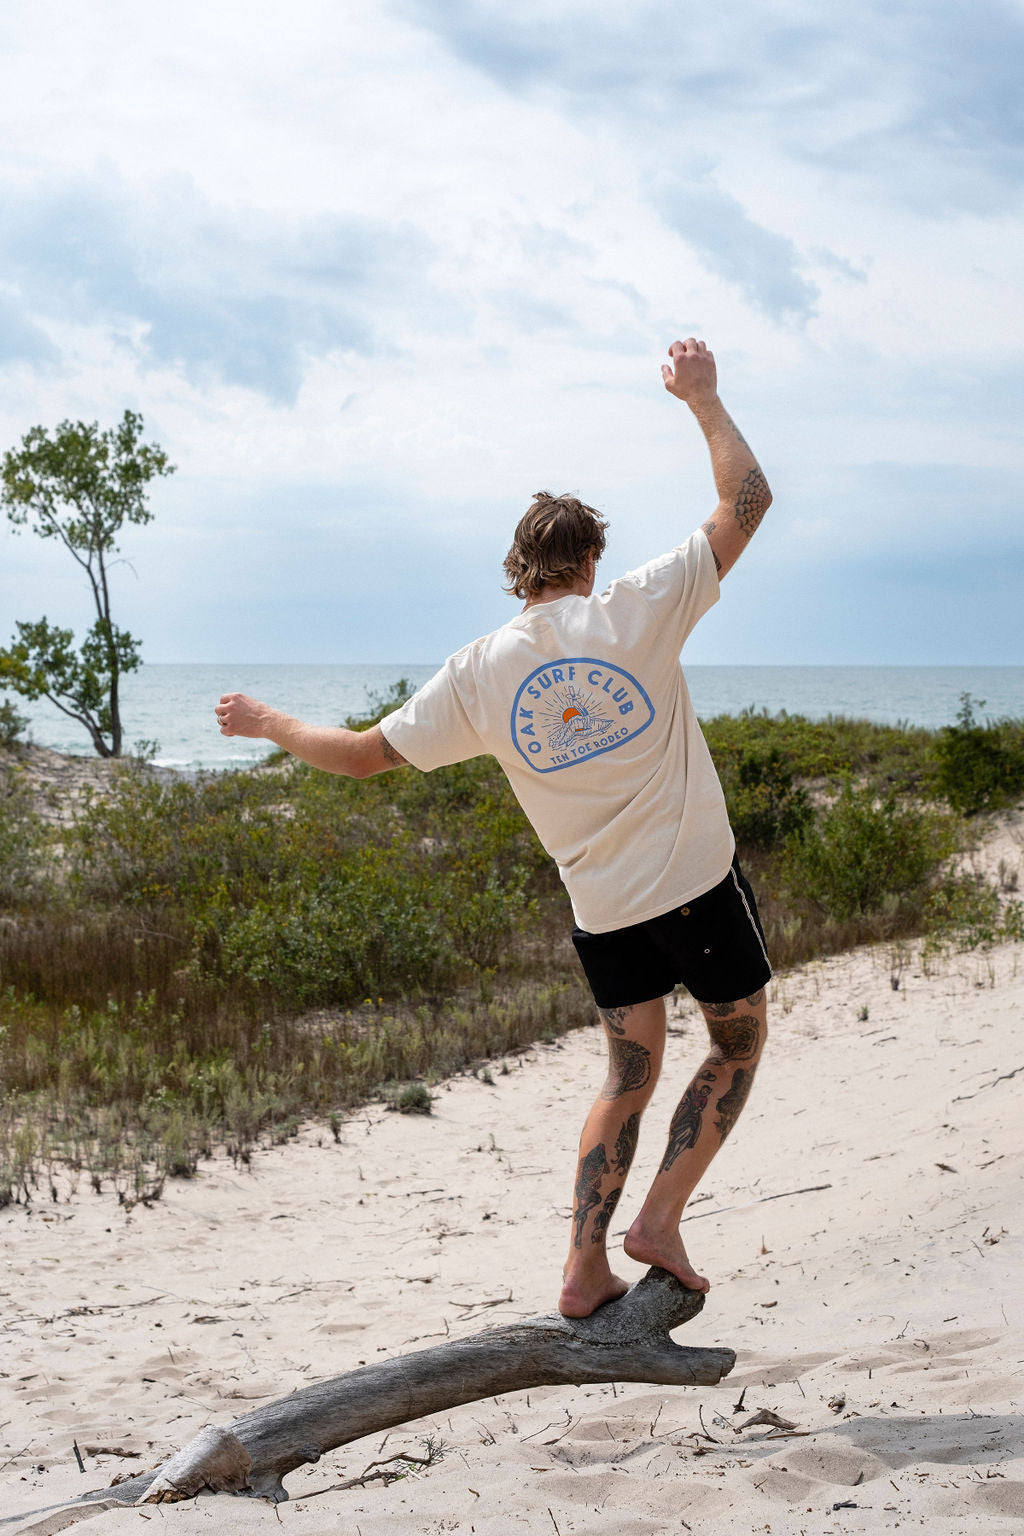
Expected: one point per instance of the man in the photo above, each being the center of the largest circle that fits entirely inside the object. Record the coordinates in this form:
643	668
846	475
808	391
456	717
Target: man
582	700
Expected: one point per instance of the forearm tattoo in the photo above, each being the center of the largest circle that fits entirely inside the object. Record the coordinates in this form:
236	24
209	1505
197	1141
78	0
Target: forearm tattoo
752	502
614	1018
625	1145
604	1216
733	1100
737	432
737	1039
588	1189
629	1067
394	758
688	1118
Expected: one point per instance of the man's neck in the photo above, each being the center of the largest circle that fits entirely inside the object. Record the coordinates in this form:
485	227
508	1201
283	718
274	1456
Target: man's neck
551	594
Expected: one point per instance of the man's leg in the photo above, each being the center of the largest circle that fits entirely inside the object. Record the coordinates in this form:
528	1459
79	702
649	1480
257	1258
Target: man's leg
636	1043
704	1116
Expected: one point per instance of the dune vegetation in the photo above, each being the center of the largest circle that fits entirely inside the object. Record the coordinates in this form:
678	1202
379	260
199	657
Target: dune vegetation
199	964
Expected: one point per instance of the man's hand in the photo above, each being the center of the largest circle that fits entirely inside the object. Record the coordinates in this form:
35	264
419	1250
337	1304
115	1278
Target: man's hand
692	376
238	715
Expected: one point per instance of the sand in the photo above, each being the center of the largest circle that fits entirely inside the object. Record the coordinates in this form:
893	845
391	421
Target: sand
862	1230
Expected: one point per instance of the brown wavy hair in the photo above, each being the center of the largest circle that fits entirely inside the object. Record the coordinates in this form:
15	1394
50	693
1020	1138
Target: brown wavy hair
551	544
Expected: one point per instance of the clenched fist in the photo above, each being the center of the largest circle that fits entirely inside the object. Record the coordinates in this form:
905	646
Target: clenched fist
693	376
238	715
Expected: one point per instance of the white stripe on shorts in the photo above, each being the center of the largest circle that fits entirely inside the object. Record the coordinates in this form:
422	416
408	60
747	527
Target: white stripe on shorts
746	907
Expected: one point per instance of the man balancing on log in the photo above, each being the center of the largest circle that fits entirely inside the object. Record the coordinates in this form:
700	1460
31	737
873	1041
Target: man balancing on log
582	700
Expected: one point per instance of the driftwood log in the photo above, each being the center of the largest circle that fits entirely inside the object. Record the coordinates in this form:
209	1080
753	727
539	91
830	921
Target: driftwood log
625	1340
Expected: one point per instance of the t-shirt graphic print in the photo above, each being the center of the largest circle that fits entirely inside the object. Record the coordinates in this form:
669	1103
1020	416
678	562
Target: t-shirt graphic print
593	685
575	708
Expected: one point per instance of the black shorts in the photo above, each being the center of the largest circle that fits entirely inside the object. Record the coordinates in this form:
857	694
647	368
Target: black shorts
714	946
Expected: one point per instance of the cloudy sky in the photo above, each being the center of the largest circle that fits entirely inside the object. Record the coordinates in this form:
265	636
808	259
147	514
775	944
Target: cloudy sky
376	270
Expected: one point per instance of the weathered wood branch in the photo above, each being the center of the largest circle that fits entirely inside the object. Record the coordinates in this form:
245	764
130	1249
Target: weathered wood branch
626	1340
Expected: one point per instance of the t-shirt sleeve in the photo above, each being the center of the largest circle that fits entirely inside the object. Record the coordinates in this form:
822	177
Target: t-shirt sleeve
433	728
681	585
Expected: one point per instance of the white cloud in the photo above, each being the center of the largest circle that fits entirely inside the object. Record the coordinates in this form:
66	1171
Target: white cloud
376	273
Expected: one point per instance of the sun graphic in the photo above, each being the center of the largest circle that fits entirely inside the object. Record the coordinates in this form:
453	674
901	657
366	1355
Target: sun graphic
571	716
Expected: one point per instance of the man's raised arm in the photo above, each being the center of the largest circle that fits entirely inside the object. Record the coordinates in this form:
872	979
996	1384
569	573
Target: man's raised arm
332	748
743	494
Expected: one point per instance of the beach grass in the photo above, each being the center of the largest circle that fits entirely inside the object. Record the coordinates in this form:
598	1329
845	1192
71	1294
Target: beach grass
200	965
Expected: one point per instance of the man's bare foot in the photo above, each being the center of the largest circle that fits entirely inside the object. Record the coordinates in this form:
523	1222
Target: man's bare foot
665	1249
583	1294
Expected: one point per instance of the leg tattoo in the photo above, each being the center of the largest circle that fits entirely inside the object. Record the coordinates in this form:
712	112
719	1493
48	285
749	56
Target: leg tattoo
588	1189
739	1039
686	1122
629	1067
733	1100
625	1145
614	1017
605	1215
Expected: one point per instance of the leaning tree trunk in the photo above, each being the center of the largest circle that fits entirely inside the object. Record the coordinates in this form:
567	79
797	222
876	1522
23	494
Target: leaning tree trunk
626	1340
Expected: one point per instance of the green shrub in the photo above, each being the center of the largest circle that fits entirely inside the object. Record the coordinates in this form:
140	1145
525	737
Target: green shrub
155	986
413	1099
896	757
863	853
967	912
980	767
23	841
765	807
12	724
359	934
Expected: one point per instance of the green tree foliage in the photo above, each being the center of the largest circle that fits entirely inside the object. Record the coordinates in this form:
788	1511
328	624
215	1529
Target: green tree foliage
80	486
980	767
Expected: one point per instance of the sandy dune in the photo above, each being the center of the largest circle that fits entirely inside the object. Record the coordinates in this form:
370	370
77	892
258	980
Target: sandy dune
881	1313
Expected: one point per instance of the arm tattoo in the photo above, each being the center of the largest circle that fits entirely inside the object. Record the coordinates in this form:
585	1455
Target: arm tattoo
737	432
625	1145
733	1100
613	1018
752	502
686	1122
588	1189
709	528
394	758
605	1215
629	1067
738	1039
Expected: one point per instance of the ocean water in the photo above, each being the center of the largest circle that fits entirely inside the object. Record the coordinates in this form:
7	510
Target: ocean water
173	705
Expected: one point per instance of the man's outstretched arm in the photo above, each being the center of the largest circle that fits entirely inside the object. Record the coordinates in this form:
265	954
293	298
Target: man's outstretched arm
743	494
334	749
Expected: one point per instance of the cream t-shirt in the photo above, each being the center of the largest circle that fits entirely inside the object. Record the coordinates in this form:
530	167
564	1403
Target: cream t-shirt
583	702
